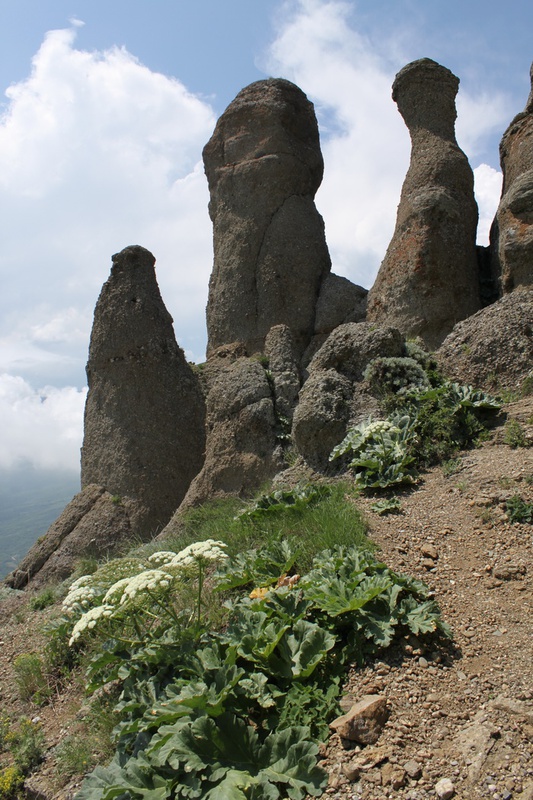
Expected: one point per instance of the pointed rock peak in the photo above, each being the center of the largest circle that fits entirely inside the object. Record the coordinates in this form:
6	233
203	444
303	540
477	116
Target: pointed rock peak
264	165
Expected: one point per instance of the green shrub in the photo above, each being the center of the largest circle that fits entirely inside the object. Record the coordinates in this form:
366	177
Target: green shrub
26	744
394	375
514	434
42	600
74	756
236	715
11	783
518	510
380	452
29	677
386	506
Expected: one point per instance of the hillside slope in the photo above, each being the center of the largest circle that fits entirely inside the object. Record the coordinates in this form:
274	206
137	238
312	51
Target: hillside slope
464	713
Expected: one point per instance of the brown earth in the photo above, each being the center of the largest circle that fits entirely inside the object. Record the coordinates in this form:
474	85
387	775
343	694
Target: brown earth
461	711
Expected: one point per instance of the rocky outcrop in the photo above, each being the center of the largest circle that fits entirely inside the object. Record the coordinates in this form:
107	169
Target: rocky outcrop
264	166
144	417
144	428
94	524
241	436
512	232
334	395
428	280
493	349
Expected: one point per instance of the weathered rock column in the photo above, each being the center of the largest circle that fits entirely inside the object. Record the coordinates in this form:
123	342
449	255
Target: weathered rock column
429	280
144	418
512	232
264	165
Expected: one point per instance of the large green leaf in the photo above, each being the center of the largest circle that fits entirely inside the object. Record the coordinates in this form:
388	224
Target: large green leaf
303	648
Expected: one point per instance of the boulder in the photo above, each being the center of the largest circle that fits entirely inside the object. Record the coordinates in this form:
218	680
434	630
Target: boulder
364	722
264	165
144	433
334	395
493	349
322	415
512	232
429	279
339	301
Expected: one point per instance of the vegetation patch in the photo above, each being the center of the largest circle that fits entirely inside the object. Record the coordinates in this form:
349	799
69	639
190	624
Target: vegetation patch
232	710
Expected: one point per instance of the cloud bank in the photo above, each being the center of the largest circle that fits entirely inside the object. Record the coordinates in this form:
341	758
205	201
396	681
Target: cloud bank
42	428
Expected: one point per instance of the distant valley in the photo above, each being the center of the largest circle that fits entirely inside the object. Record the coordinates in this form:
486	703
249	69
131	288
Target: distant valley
30	500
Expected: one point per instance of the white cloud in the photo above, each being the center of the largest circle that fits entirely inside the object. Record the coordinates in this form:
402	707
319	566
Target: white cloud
97	152
488	187
366	146
42	428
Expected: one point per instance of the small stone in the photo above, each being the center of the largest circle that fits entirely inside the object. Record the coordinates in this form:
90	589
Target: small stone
413	769
429	551
365	720
445	789
392	775
423	662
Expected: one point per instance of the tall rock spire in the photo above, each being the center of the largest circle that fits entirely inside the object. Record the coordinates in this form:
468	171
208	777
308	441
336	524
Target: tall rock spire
429	277
144	417
264	165
512	232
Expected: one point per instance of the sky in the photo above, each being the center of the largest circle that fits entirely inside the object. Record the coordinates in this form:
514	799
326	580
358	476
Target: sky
105	106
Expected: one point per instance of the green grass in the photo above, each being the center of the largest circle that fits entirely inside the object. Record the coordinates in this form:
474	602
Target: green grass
335	520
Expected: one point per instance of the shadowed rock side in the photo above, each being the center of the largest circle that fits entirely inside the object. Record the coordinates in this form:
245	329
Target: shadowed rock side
334	395
428	280
264	166
512	231
144	432
493	349
241	436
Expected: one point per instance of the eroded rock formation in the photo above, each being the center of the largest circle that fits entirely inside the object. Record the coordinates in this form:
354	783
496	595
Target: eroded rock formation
333	395
241	435
493	348
428	280
512	232
144	417
94	523
264	166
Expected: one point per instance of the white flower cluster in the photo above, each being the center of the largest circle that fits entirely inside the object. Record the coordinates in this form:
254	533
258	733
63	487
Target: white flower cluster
379	426
162	557
89	620
152	579
80	595
210	550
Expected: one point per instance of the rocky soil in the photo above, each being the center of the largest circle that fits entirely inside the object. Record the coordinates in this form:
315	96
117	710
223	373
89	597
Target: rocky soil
460	714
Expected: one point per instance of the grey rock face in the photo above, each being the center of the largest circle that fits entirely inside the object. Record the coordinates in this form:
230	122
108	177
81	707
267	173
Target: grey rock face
264	165
428	280
493	348
339	301
283	366
144	417
512	232
241	437
333	395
